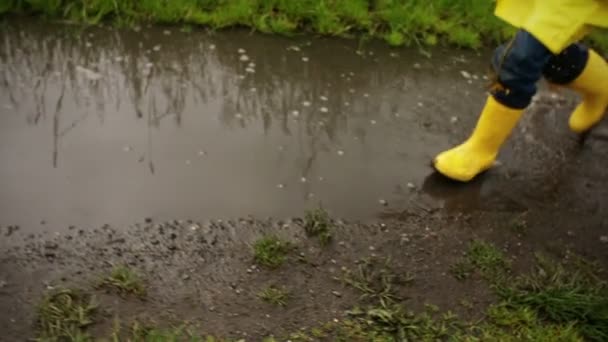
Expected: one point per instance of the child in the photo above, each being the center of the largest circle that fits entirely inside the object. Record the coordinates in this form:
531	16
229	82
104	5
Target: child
543	46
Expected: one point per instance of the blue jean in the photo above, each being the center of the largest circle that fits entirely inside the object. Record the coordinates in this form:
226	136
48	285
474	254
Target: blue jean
520	64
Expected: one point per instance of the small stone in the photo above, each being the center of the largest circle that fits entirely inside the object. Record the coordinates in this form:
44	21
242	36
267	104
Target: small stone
454	119
570	233
417	66
383	202
148	220
167	32
336	293
411	185
372	248
185	277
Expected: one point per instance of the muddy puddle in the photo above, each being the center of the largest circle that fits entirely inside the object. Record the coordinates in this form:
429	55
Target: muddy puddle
111	126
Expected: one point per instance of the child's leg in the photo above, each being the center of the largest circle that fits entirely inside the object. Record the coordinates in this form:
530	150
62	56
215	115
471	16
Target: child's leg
585	71
518	66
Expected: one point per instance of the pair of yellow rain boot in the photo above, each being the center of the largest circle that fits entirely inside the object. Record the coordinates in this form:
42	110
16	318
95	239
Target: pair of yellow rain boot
478	153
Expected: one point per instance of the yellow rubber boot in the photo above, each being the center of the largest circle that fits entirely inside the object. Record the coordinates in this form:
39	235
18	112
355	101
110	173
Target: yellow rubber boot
478	153
592	84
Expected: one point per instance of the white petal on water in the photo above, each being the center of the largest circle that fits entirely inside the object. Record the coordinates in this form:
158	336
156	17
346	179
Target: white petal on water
306	103
373	122
241	77
465	74
156	48
365	95
323	98
188	162
280	186
305	59
212	47
351	73
293	48
475	77
340	152
411	185
420	104
470	82
417	66
244	58
238	116
202	153
454	119
250	70
88	73
484	77
351	90
251	65
303	180
347	103
149	65
324	109
321	179
127	148
295	113
393	54
118	59
167	32
88	44
241	51
253	89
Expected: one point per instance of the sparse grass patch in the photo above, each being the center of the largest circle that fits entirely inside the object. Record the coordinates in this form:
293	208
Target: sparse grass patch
483	258
64	315
376	280
274	296
270	251
317	223
125	281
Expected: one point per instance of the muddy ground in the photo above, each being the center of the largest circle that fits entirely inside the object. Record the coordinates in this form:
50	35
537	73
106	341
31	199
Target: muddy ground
173	130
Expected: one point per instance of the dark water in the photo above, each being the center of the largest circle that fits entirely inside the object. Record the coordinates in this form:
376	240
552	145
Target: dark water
104	126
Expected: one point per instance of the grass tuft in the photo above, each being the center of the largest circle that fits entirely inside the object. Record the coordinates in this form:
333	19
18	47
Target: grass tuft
125	281
483	258
317	223
274	296
64	315
270	251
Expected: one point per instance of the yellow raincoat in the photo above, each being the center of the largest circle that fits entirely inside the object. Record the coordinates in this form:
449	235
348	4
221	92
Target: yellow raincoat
556	23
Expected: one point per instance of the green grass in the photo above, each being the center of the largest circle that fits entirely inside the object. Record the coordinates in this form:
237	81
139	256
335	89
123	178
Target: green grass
125	281
318	223
484	259
64	315
466	23
274	296
270	251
